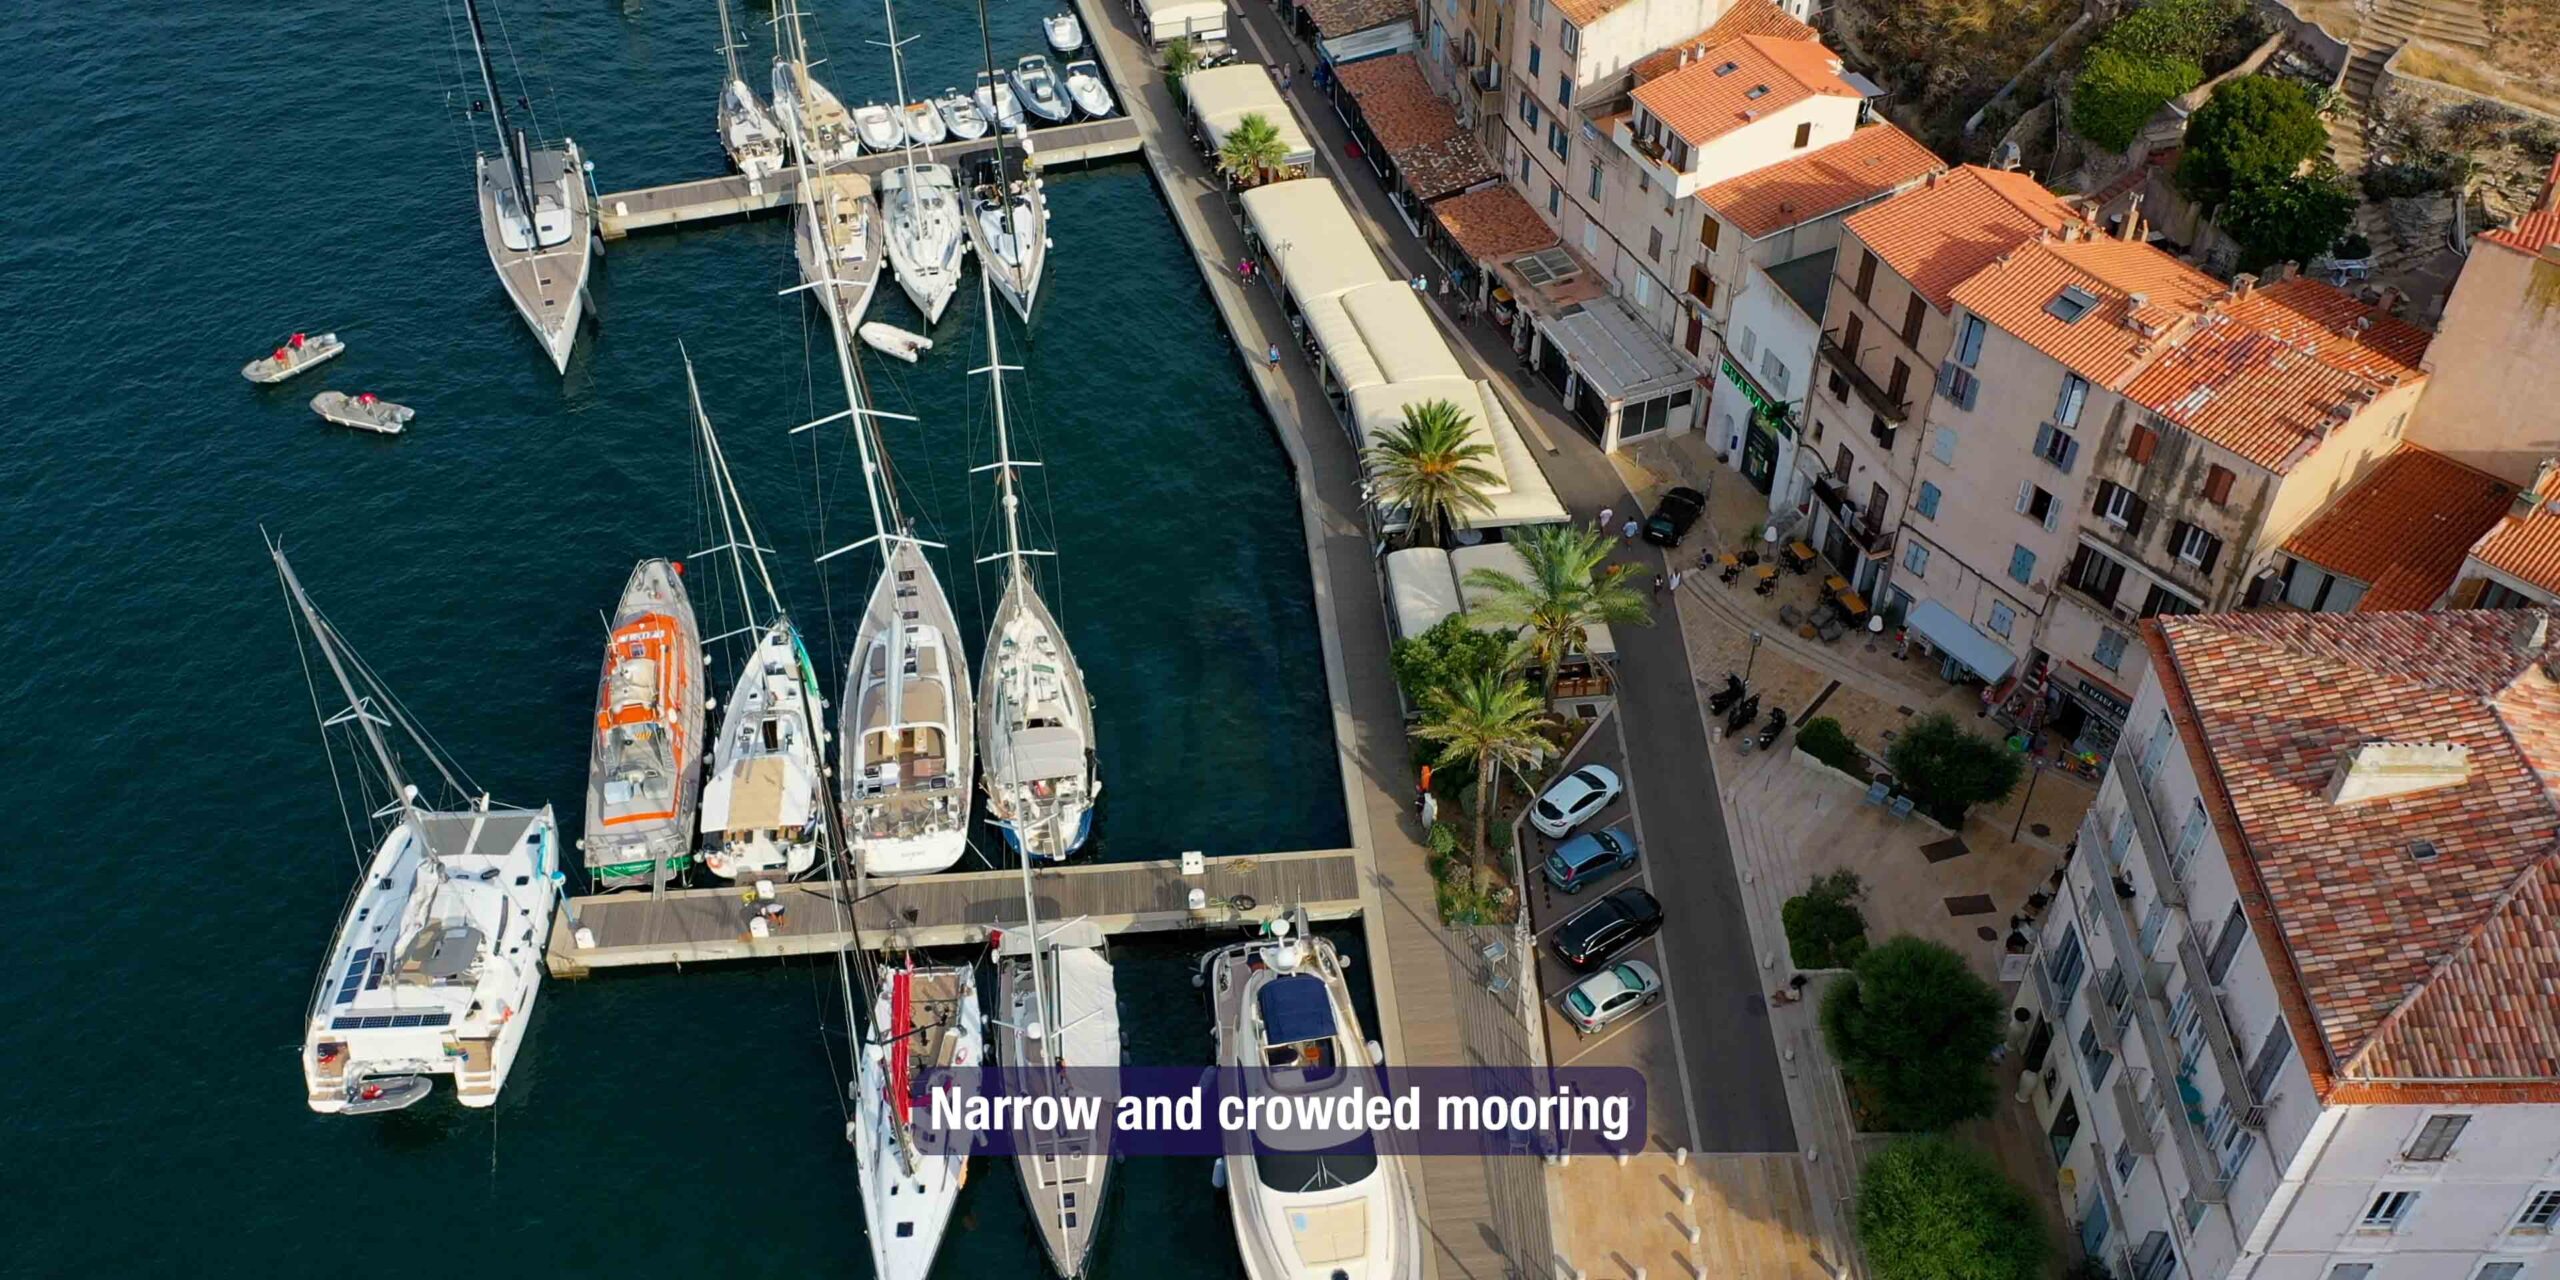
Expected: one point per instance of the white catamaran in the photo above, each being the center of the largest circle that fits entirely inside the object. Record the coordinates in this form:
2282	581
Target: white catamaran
763	812
1035	723
814	117
644	772
1057	1013
535	217
747	131
922	205
438	959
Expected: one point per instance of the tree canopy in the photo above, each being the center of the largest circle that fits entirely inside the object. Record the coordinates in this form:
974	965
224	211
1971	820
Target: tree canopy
1560	597
1489	720
2118	91
1915	1032
2291	219
1948	770
1929	1209
1448	655
2253	129
1431	465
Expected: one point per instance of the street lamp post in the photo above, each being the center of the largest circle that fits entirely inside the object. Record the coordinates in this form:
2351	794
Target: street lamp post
2035	770
1754	657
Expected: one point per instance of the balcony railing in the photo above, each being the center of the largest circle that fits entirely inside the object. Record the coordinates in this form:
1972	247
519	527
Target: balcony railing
2218	1039
2148	830
1869	390
2130	1116
2159	1046
1864	524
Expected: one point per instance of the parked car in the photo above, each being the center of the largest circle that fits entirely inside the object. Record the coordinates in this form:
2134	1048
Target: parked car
1590	937
1587	857
1611	994
1575	797
1672	516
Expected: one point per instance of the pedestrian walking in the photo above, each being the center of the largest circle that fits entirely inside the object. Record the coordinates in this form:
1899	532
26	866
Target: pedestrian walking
1629	531
1275	355
1605	513
1657	586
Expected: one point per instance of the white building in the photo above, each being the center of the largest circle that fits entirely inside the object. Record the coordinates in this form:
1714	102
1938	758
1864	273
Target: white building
2293	1000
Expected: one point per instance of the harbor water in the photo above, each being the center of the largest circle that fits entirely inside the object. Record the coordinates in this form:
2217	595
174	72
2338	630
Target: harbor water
195	181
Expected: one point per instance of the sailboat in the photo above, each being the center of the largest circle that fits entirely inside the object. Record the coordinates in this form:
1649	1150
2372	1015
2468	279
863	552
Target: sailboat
1009	215
763	812
644	773
535	217
922	205
925	1022
835	234
1058	1013
816	120
1035	722
438	958
747	130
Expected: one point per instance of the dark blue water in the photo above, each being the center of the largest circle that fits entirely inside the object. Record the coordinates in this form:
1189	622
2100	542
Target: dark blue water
185	183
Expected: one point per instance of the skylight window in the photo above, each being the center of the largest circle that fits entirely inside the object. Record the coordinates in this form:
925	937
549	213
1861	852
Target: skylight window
1757	91
2070	304
2423	850
1728	68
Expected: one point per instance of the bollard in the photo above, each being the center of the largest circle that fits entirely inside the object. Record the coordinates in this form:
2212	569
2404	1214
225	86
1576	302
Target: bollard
1680	1158
1690	1229
1688	1194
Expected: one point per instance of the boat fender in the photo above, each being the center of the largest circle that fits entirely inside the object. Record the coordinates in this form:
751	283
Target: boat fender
1218	1174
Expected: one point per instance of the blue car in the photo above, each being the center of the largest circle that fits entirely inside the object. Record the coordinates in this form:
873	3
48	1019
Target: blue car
1590	856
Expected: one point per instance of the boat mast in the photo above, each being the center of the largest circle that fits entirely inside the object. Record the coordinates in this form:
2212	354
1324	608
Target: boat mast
357	708
510	143
898	111
725	492
729	45
995	84
1006	493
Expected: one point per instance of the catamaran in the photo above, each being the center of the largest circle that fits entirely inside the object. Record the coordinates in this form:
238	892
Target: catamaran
1307	1205
747	131
1058	1013
438	958
1035	722
811	114
644	773
1009	213
763	812
922	205
535	217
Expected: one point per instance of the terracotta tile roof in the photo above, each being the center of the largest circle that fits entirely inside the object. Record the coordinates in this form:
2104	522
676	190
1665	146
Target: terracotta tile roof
1937	236
2530	234
1337	18
2405	528
2437	971
1866	164
2271	373
1700	105
1415	127
1493	225
1584	12
2336	327
2106	344
1748	18
2527	547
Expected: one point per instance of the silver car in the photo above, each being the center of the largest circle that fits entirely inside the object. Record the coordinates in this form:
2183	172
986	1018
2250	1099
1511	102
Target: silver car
1611	994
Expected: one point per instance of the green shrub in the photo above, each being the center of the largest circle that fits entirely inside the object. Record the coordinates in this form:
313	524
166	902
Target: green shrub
1825	929
1915	1032
2539	140
2118	92
1931	1210
1947	771
2293	219
1445	657
2174	30
2253	129
1824	740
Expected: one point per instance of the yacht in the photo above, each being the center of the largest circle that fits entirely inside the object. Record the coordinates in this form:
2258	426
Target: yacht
1307	1206
921	204
910	750
1058	1013
644	771
924	1021
535	218
1009	226
747	130
810	113
836	234
996	101
1037	84
437	961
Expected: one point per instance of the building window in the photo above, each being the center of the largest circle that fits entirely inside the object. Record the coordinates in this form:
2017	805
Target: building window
2093	1054
1866	276
2162	600
2002	619
1528	111
1569	38
2498	595
2351	1271
1564	90
1591	237
2022	564
2217	486
2124	1160
2435	1138
1594	188
2110	651
1709	232
1915	560
1912	311
2094	574
1537	13
1943	446
1747	342
2273	1052
2057	446
1804	135
1558	140
2070	304
2075	394
1555	199
1524	168
2194	546
2038	505
2226	944
2389	1210
1644	290
2118	506
2499	1271
1968	340
1838	384
1773	374
1897	386
1959	386
1927	503
1533	56
2141	442
1652	237
2539	1212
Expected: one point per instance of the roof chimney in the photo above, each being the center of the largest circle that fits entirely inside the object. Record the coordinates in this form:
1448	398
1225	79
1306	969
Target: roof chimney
2532	633
2381	770
2530	499
2133	220
2241	284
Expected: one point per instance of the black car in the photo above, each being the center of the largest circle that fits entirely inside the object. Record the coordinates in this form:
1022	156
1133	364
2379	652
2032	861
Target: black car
1673	515
1592	936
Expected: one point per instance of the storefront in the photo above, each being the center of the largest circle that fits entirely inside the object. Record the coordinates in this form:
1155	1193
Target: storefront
1625	382
1768	439
2085	712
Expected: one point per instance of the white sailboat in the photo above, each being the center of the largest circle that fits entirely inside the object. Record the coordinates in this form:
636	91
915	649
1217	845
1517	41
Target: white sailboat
1035	722
921	203
437	960
747	131
536	219
811	113
925	1021
1009	211
836	236
763	813
1057	1014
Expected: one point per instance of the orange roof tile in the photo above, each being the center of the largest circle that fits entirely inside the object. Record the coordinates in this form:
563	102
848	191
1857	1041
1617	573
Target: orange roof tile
1748	18
1937	236
1337	18
1767	75
1415	127
2106	344
2530	234
1493	225
2271	373
2527	547
1866	164
2336	327
2405	527
2438	971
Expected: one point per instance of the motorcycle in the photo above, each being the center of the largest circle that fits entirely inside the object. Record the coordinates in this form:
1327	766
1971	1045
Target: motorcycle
1742	714
1769	732
1723	699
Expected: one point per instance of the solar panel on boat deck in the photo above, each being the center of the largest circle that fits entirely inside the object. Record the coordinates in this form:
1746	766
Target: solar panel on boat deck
371	1021
355	975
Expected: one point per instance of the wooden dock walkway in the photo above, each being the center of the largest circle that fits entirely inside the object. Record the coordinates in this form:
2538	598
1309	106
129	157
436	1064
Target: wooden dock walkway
688	926
731	195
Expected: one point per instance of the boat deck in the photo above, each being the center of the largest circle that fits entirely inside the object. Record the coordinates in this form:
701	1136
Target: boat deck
685	926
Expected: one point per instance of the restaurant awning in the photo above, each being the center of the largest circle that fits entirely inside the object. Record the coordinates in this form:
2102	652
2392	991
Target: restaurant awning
1220	97
1958	639
1614	352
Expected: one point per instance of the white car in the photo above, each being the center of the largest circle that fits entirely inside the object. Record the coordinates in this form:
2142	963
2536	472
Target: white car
1611	994
1575	797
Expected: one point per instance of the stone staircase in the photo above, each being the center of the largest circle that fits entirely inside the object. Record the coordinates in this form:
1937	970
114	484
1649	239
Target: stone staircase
2387	25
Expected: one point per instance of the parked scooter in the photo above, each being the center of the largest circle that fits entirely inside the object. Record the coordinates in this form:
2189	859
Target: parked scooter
1742	714
1769	732
1723	699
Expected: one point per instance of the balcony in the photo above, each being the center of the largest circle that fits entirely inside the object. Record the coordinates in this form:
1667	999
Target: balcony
2127	1091
1864	525
1487	78
1895	412
2218	1039
2149	832
2159	1047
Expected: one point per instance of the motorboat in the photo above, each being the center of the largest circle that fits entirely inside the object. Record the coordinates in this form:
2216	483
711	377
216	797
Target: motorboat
1009	227
297	354
536	218
921	204
809	112
364	411
748	132
925	1024
1086	86
437	958
644	769
997	101
923	124
1307	1204
890	340
836	236
1058	1018
1036	83
879	127
960	115
1066	33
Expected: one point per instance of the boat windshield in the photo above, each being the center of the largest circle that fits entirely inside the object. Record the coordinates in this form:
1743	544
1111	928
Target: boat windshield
1298	1172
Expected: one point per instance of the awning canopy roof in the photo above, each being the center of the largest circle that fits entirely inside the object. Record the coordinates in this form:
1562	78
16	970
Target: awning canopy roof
1221	97
1958	639
1614	352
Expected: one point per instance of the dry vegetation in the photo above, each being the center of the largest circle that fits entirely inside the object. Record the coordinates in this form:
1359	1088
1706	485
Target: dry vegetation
1943	59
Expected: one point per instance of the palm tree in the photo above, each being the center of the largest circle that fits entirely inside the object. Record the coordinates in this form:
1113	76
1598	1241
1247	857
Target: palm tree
1429	466
1488	719
1562	596
1181	58
1253	152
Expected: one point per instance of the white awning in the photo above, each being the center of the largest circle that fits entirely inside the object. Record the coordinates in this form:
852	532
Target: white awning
1169	19
1422	589
1354	366
1501	557
1616	353
1520	494
1400	333
1221	97
1376	42
1958	639
1307	232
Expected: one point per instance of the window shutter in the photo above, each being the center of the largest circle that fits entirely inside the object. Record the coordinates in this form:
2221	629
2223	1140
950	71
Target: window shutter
2052	516
2044	440
1946	376
2140	445
2467	596
2024	489
2212	552
2177	537
2106	490
2217	485
1972	389
1853	335
2133	517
